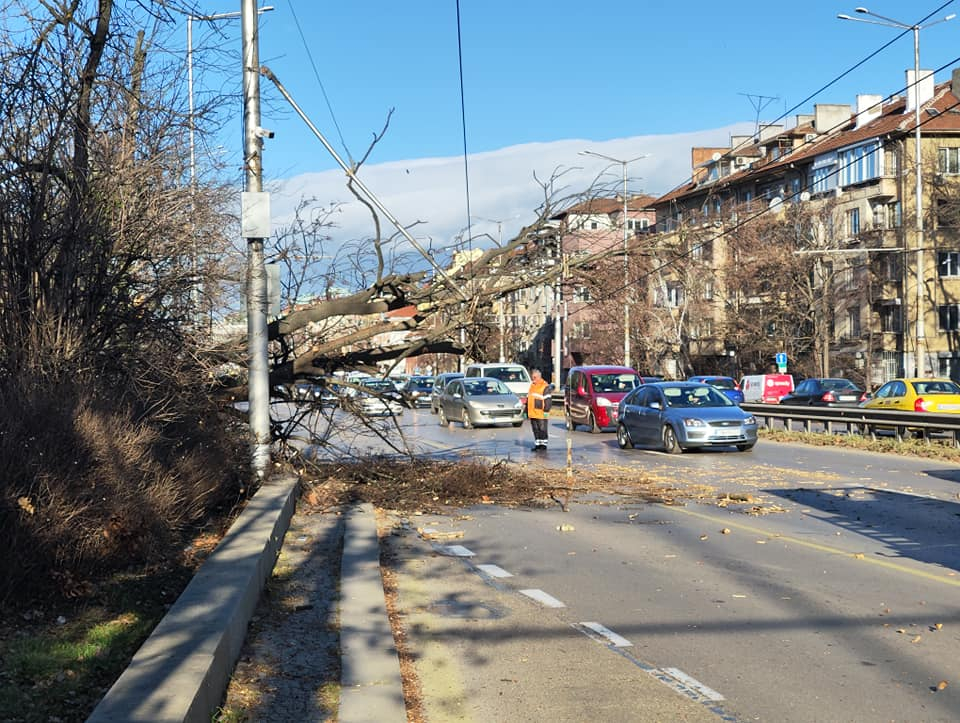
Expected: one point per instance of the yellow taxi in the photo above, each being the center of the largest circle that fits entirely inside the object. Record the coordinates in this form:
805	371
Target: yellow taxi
917	395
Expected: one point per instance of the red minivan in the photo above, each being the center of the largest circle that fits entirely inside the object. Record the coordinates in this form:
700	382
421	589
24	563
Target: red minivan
593	394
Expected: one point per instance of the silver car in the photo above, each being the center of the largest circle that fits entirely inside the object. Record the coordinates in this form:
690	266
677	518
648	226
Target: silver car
679	415
479	401
440	382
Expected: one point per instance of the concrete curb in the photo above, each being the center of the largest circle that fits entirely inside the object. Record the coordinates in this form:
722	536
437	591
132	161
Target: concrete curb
371	686
181	670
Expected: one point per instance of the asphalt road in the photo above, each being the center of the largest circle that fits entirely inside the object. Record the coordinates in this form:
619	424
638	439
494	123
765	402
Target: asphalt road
838	601
829	593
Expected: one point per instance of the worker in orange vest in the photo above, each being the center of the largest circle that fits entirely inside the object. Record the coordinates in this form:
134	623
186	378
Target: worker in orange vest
538	407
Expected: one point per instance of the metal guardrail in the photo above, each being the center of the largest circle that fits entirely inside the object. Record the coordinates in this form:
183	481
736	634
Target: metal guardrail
858	420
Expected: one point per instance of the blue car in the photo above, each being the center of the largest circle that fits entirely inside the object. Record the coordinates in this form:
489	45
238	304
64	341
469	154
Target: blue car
675	416
726	385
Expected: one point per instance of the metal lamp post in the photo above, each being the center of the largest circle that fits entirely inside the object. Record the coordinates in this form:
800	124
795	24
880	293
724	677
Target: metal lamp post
626	277
875	19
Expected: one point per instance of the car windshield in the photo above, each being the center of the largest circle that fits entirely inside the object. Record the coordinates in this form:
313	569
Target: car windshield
936	387
379	385
614	382
484	387
508	374
721	382
705	396
837	385
425	383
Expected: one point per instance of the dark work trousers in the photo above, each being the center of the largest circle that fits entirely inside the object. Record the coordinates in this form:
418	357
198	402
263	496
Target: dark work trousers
539	431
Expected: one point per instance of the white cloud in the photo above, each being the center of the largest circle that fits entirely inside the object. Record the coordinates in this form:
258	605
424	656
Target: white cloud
502	185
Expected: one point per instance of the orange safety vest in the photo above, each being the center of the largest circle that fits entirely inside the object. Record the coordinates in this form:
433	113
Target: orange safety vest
535	399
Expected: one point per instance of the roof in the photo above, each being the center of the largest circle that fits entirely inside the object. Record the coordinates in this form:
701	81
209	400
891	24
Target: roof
608	206
941	114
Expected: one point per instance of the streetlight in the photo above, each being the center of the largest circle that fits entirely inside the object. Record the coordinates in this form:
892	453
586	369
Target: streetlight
918	366
626	278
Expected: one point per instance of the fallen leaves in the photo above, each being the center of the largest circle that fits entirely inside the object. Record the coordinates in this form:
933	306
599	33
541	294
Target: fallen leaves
941	685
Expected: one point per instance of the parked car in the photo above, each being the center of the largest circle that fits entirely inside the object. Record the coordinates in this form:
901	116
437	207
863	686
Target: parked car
378	397
825	392
592	394
480	401
440	382
766	388
675	416
515	376
416	392
727	385
650	380
917	395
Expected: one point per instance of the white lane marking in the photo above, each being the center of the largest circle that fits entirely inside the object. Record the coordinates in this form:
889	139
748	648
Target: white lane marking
543	598
454	550
613	638
494	571
693	684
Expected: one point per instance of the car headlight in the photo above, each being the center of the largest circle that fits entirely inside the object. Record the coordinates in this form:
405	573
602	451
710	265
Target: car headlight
750	420
518	405
694	422
604	402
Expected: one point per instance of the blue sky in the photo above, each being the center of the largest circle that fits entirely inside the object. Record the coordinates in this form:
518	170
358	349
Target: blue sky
544	79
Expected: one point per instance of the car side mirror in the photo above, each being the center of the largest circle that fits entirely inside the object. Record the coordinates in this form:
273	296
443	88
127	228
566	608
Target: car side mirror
456	395
581	391
656	405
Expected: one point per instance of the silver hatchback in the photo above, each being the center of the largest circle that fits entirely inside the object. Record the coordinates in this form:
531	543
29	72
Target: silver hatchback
479	401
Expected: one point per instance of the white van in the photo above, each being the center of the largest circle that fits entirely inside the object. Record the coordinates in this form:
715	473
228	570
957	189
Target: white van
766	388
515	376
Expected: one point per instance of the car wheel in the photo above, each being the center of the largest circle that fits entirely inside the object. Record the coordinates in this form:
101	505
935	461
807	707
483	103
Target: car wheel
571	425
592	422
518	424
670	443
744	447
443	417
465	418
623	437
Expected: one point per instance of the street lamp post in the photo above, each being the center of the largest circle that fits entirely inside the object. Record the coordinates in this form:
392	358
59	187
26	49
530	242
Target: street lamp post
875	19
626	276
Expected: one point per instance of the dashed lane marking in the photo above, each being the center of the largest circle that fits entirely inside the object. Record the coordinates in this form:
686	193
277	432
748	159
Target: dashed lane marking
543	598
454	550
693	684
494	571
607	635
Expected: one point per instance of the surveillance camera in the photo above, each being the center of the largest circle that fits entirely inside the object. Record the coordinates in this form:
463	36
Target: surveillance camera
263	132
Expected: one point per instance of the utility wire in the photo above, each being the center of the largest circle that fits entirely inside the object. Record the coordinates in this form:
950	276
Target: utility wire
463	123
740	223
323	90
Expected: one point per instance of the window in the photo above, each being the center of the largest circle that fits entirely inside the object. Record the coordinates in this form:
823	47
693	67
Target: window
948	213
853	222
853	323
581	294
948	263
890	162
949	159
949	317
894	215
581	330
674	295
890	319
860	164
708	290
594	225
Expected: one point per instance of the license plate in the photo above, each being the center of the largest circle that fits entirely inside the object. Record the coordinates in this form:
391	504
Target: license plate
949	407
727	433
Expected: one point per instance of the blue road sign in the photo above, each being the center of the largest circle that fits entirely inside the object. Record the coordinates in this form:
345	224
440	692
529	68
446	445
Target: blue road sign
781	358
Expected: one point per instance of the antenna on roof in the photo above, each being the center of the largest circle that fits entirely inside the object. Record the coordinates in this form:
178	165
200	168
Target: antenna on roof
759	102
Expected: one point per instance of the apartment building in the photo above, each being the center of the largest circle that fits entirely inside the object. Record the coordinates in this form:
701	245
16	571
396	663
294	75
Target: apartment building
805	240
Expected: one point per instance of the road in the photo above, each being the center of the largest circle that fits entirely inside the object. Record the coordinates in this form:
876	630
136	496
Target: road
828	593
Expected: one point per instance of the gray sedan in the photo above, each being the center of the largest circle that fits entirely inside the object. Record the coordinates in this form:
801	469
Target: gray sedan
675	416
479	401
